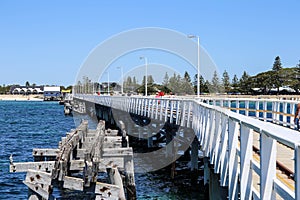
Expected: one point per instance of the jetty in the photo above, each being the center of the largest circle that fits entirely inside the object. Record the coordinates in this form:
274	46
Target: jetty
250	147
81	155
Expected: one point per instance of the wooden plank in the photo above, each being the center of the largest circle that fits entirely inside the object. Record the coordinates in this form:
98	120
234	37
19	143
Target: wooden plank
45	152
24	166
38	177
73	183
107	191
116	179
37	188
123	151
77	165
104	163
110	132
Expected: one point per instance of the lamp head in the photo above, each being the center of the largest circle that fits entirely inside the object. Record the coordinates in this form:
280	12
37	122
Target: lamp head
191	36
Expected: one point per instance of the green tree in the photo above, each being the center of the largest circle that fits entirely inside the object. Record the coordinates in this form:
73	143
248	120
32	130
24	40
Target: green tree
166	79
187	77
203	85
226	81
244	83
174	84
150	80
27	84
186	86
277	64
134	81
235	83
276	78
215	83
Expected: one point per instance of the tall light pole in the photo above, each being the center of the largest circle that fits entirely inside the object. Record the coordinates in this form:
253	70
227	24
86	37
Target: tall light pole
122	77
198	67
107	82
146	74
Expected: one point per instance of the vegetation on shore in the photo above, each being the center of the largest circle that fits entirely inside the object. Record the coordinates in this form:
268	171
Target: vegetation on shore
5	89
278	80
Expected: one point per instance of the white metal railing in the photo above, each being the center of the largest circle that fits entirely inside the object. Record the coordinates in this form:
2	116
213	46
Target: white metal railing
226	138
278	111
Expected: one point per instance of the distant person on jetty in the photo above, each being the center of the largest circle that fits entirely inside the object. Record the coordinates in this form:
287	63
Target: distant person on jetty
297	116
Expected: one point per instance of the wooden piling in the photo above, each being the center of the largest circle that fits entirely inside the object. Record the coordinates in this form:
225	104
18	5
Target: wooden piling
86	151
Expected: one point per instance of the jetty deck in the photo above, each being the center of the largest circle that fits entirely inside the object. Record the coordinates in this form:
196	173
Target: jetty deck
83	152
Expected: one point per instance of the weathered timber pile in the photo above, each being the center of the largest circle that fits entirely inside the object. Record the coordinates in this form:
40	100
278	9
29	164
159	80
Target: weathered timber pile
85	152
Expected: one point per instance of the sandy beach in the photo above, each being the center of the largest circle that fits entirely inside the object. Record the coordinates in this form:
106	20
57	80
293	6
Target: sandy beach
21	98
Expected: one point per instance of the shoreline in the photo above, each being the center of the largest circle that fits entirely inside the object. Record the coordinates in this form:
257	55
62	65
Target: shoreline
10	97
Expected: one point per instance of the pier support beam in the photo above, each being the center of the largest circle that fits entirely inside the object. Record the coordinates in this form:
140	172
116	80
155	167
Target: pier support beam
194	155
206	170
150	139
169	148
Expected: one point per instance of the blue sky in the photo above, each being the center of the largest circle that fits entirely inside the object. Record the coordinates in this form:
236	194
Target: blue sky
45	42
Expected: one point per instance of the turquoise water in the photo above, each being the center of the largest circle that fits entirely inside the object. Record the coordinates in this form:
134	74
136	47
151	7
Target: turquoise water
28	125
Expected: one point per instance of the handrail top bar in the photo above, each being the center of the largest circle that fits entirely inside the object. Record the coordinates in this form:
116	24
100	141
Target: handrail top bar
284	135
175	98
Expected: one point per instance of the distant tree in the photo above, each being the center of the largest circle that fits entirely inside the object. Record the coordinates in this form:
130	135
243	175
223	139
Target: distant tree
207	87
277	64
174	84
203	85
187	77
186	86
244	83
150	80
134	81
276	78
215	83
166	79
226	81
129	81
235	83
27	84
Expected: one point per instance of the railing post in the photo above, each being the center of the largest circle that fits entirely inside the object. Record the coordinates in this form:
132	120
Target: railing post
237	105
177	112
189	114
171	110
223	152
267	166
246	142
216	141
257	108
161	109
210	134
292	111
167	102
183	115
265	106
247	107
233	132
156	108
153	101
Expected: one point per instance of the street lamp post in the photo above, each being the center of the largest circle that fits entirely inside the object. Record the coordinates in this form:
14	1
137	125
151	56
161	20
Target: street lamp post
146	74
107	83
122	77
198	67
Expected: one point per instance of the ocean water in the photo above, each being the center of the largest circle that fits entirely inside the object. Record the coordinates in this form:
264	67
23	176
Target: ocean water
28	125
